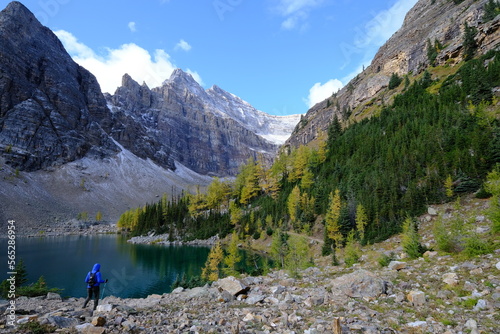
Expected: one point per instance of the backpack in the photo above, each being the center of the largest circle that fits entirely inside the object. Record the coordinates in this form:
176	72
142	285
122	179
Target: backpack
92	279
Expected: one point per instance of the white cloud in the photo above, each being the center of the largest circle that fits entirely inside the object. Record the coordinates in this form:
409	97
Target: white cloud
110	67
132	26
319	91
73	46
290	7
183	45
296	12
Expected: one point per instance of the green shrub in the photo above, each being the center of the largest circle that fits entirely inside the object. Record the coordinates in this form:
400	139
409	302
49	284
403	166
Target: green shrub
482	193
351	250
395	81
39	288
448	237
385	259
492	185
491	10
411	239
34	327
192	282
474	246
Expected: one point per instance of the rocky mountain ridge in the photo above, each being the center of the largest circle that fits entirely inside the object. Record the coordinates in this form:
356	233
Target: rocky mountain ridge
45	120
66	149
52	112
404	53
212	132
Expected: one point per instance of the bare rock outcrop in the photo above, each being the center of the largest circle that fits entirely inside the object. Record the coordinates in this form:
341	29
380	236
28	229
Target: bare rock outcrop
52	110
405	52
188	124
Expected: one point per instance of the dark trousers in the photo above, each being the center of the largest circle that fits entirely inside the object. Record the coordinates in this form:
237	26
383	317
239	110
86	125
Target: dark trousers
92	292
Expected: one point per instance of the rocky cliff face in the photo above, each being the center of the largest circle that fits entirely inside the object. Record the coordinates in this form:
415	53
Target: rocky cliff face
405	52
210	131
51	110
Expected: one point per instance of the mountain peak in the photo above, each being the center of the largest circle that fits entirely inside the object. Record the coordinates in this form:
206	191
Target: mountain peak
15	8
17	20
128	82
184	81
179	76
17	17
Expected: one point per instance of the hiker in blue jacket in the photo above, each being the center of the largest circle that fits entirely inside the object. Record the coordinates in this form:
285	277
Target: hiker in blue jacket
93	281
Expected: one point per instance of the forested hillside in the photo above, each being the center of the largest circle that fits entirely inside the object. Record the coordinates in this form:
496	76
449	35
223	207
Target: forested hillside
437	140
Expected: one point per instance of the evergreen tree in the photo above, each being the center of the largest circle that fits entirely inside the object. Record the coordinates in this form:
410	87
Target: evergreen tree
211	270
361	221
233	257
426	80
469	41
279	247
332	222
298	254
334	131
432	53
411	239
395	81
407	82
491	10
293	204
21	277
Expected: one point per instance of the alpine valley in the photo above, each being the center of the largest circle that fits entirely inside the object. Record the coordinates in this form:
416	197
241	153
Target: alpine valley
378	210
67	149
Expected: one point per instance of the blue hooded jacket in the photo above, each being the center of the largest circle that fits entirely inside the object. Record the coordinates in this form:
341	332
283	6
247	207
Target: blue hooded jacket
98	277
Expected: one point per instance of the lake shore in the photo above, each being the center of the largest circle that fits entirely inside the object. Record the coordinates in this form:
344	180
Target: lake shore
164	239
436	294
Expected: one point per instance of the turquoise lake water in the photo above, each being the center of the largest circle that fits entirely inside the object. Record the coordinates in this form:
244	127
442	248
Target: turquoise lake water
132	270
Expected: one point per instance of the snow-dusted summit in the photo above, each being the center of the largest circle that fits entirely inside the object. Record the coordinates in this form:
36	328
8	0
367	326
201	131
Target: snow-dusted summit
276	129
211	131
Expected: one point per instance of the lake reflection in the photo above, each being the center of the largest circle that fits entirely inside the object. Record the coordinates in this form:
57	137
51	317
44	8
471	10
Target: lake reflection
133	270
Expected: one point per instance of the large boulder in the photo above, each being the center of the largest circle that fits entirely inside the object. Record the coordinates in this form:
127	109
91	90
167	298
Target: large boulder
232	285
359	284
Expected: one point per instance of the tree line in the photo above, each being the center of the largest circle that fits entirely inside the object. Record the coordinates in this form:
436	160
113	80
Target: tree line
438	139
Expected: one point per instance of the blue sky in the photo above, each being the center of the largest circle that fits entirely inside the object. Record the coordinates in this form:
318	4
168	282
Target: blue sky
281	56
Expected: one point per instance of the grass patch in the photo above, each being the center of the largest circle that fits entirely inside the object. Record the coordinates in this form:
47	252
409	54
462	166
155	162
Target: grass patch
469	303
34	327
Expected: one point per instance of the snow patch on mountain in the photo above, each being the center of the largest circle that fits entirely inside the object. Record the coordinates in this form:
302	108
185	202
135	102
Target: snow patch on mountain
276	129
